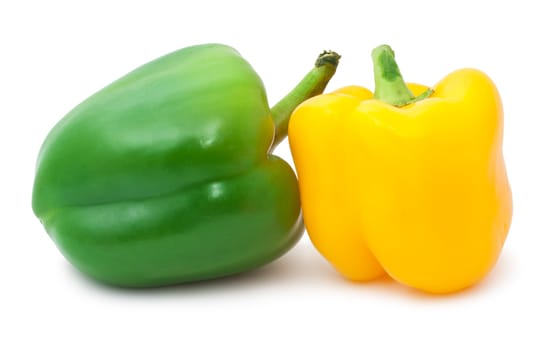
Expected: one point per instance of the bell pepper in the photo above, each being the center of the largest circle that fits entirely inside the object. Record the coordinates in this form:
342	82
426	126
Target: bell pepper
166	175
408	181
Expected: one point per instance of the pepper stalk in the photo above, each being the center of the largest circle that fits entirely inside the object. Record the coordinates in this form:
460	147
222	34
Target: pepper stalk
312	84
390	86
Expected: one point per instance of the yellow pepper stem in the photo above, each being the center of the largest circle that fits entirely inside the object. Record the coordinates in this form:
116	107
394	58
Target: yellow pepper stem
389	84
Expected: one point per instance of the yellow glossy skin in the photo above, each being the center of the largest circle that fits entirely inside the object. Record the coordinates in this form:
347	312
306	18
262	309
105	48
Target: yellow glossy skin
419	192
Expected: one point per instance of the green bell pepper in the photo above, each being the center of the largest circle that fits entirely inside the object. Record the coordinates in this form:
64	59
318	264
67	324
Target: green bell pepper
166	175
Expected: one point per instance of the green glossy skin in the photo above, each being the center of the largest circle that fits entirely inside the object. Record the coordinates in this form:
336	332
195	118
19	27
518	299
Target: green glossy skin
165	175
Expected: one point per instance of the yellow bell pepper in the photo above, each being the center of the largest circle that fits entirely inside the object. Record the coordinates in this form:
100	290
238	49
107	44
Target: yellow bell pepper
407	181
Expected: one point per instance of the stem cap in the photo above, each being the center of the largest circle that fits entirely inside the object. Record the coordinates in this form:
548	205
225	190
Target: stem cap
390	86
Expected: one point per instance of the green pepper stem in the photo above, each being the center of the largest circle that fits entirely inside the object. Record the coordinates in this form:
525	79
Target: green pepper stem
390	87
312	84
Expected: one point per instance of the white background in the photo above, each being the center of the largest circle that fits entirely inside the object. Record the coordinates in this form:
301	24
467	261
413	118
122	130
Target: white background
54	54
